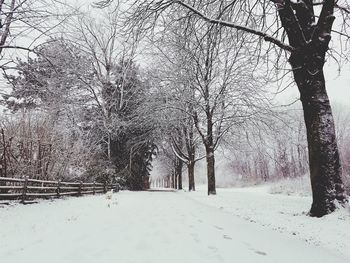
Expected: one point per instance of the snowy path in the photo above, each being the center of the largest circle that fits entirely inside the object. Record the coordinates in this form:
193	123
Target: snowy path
143	227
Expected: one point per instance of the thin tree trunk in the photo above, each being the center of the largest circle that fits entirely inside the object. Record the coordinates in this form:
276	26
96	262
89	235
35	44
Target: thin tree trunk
39	163
211	170
109	147
324	161
175	179
173	176
179	174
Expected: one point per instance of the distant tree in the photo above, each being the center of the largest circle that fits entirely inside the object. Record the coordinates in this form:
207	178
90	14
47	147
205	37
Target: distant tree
212	69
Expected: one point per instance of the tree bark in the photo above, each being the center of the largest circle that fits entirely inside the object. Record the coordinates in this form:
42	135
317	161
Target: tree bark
175	180
324	161
179	173
209	148
211	170
190	168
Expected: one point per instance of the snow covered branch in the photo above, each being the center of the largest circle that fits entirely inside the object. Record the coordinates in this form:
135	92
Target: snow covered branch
261	34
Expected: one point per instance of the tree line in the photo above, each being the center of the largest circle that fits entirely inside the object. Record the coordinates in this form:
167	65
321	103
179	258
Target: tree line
112	88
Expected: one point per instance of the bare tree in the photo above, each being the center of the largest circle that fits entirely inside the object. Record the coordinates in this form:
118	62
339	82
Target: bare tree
220	89
302	31
111	58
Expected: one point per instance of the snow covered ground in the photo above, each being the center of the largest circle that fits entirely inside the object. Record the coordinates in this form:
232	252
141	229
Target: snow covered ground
285	214
237	225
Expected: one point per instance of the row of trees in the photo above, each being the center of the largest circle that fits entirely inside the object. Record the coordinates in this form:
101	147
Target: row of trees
205	88
269	153
210	88
277	29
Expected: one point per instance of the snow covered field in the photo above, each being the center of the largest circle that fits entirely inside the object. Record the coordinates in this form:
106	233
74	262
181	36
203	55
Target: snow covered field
237	225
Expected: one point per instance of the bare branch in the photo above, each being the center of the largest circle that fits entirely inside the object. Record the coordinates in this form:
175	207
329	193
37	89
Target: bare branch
261	34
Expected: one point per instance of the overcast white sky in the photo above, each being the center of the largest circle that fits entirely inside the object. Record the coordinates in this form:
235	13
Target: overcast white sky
338	85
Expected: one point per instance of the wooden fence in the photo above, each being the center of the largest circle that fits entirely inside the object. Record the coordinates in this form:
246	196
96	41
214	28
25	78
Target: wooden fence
29	189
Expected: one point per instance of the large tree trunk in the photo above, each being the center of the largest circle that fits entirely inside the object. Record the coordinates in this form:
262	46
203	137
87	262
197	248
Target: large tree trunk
325	168
190	168
211	169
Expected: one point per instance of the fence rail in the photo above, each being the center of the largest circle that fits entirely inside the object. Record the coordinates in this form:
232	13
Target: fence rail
29	189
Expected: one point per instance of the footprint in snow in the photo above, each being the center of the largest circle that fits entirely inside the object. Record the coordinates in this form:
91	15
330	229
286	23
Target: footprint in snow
227	237
260	252
218	227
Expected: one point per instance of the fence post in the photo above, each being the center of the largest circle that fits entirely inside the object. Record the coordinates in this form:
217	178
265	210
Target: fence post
24	190
80	187
105	187
58	188
93	189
